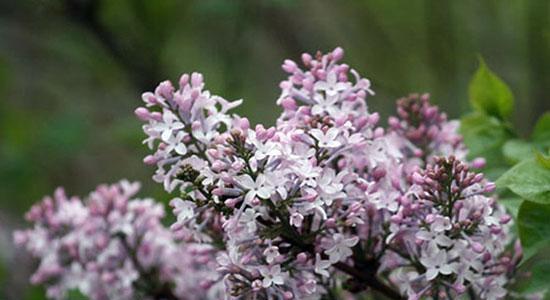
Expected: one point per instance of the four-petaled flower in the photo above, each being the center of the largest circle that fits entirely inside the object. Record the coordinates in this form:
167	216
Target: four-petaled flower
332	86
321	266
184	210
259	188
271	253
272	275
170	123
326	139
436	264
341	247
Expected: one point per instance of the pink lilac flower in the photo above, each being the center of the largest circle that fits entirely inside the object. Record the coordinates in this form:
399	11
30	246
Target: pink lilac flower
325	199
110	246
327	190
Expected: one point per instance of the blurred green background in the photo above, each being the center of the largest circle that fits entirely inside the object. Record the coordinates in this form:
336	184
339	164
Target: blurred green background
72	72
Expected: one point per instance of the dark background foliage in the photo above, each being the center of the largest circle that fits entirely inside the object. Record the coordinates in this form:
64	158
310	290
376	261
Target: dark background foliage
72	71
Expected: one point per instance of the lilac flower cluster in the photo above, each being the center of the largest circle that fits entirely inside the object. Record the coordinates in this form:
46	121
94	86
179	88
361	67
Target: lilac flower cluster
326	191
325	201
425	132
112	247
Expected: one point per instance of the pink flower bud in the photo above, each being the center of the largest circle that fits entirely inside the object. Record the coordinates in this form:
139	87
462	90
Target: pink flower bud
430	218
289	66
218	165
231	202
396	219
306	59
478	163
244	123
379	132
459	288
478	178
142	113
477	247
196	79
218	191
504	219
417	178
301	257
149	98
213	153
184	80
330	223
337	54
150	160
321	74
289	104
373	118
361	121
490	187
165	90
378	173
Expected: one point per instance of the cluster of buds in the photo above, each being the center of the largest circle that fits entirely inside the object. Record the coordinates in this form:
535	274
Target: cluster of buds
113	247
424	131
327	200
454	235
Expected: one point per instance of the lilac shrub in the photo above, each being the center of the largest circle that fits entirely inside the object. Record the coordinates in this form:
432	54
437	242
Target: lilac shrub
327	203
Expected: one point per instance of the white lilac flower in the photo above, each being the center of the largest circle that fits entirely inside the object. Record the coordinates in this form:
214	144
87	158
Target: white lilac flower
322	265
271	253
255	188
434	239
328	139
184	210
272	276
332	86
170	124
296	219
435	264
248	218
175	143
340	248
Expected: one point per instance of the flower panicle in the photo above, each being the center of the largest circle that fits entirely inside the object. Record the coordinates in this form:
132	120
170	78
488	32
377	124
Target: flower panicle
110	246
326	199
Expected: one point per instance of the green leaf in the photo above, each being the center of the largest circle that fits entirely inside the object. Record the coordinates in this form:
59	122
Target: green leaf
489	94
512	205
516	150
533	225
541	132
537	265
543	160
485	135
529	179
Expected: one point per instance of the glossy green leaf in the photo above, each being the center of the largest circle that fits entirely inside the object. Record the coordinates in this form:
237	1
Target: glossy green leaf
534	233
517	150
485	135
512	205
536	263
533	223
529	179
489	94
